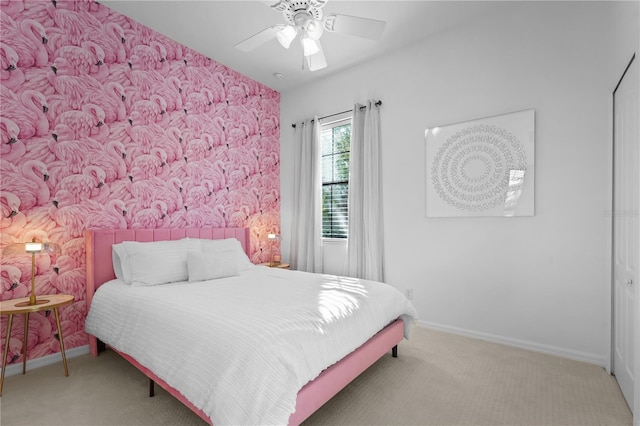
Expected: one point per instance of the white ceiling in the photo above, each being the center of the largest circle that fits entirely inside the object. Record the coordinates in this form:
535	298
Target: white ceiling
213	28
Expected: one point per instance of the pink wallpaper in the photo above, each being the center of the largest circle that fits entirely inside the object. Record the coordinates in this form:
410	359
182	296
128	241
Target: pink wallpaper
108	124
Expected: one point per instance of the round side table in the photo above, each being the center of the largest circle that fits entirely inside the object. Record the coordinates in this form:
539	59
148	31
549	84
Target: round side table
22	306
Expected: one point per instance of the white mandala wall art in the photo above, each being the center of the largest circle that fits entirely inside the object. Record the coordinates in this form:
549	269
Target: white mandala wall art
482	167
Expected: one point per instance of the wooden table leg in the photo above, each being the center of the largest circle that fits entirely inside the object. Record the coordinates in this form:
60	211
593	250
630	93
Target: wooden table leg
24	345
6	350
64	358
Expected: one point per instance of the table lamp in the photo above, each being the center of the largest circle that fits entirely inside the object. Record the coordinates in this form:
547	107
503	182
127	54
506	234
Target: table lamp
271	238
33	247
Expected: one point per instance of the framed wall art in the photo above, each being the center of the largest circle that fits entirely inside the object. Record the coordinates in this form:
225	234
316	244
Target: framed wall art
483	167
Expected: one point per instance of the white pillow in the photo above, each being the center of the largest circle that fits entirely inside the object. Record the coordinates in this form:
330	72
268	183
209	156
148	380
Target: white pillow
204	266
231	246
153	263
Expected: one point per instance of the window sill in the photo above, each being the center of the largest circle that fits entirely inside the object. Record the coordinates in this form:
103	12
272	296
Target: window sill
336	241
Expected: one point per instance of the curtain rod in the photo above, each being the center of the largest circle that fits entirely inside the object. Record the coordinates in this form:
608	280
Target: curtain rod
377	103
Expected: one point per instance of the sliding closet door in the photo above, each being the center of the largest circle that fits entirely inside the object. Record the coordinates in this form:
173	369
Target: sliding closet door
626	230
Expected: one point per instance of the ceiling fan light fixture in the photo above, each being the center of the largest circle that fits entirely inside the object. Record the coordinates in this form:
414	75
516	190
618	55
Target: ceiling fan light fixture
313	29
309	45
285	35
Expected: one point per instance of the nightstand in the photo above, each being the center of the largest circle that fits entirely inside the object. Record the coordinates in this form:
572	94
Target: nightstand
275	265
21	306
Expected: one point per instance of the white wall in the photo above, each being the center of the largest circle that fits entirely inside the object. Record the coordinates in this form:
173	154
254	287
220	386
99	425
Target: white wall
540	282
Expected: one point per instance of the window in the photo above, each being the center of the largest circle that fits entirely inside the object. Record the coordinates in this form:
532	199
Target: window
336	145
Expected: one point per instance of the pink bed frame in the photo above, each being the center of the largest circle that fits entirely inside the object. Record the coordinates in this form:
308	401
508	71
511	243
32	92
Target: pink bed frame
312	396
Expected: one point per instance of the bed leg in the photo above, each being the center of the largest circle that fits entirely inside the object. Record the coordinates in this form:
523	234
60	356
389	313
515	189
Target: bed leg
152	389
394	351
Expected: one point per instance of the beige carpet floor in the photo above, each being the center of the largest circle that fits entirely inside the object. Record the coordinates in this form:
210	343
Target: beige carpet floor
438	379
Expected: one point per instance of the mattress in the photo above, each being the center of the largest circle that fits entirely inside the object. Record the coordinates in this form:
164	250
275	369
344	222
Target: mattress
240	348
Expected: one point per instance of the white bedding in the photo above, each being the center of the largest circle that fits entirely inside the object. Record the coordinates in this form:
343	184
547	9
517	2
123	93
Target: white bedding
241	348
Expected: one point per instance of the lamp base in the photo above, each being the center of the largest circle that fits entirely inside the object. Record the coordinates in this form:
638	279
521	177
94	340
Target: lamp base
28	303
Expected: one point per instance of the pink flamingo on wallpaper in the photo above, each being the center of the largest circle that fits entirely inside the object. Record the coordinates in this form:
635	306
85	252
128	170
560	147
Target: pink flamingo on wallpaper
15	340
199	195
69	279
145	36
270	200
27	111
28	184
68	215
87	185
12	7
144	190
149	110
28	37
200	124
269	162
111	216
197	149
74	88
238	136
86	59
239	217
147	137
111	39
74	153
75	248
245	197
10	75
12	217
152	217
204	216
110	159
12	288
237	93
40	331
198	102
149	165
148	57
171	195
11	148
198	170
111	99
83	123
88	6
175	134
74	24
198	77
145	82
10	204
171	91
238	177
246	157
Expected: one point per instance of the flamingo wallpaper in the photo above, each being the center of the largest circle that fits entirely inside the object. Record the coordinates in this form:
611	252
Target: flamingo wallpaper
108	124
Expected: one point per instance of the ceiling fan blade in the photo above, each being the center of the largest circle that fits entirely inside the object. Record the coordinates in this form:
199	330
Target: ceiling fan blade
258	39
354	25
317	61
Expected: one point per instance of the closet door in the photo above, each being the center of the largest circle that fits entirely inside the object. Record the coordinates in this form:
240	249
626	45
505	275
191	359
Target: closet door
626	229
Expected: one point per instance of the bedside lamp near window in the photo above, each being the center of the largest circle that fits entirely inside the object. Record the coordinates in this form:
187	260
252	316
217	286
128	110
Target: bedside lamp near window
33	247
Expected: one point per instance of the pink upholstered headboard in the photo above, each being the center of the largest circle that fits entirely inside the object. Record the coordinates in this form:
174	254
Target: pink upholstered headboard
99	241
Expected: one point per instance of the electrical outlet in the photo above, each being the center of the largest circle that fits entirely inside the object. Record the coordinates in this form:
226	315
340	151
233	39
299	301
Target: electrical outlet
409	293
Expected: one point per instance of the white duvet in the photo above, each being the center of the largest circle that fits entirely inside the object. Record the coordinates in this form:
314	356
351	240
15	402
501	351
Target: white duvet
241	348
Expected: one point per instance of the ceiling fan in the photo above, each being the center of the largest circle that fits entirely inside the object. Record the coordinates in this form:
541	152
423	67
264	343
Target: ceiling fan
305	18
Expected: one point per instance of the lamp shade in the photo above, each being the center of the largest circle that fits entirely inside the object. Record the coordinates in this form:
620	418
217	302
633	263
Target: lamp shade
285	35
309	45
31	247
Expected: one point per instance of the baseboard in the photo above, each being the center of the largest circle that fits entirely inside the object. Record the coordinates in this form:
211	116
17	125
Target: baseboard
522	344
14	369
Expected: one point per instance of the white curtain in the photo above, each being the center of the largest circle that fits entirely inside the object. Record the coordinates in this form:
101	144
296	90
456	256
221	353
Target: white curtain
365	245
306	230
